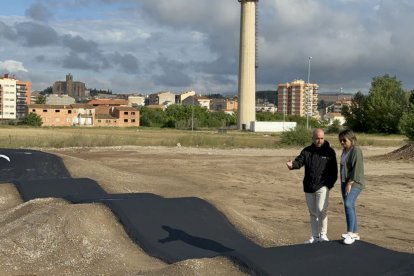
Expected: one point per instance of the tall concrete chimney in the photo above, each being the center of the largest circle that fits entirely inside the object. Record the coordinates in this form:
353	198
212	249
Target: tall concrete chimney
247	65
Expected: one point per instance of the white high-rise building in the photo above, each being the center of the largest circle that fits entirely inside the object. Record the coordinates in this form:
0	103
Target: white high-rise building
294	100
7	97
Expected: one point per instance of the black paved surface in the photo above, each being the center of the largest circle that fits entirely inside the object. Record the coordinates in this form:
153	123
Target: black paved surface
30	165
176	229
58	187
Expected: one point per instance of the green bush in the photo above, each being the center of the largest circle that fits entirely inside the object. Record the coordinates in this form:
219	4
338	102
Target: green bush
33	120
335	127
300	136
268	116
407	125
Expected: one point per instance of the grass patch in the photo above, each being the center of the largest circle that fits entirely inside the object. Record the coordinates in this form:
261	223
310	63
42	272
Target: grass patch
26	137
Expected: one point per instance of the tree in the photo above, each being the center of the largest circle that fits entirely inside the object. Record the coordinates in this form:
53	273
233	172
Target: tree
46	91
220	119
215	96
407	125
335	127
32	119
40	100
407	119
186	116
385	104
152	117
269	116
355	115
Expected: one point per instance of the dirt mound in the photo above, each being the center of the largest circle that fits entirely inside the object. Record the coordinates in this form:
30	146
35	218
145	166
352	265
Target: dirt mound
52	236
406	152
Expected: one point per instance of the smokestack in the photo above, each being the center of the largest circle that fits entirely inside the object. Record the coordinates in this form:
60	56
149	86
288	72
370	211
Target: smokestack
247	65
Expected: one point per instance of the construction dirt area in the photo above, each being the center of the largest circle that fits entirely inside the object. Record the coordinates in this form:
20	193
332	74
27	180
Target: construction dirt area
252	187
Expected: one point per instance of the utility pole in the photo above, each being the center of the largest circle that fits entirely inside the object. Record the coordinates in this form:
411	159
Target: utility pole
192	115
308	96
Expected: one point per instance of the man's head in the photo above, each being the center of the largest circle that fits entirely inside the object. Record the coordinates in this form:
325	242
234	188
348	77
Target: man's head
318	137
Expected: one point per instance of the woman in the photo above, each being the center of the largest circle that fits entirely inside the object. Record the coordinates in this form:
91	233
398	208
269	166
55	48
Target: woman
352	181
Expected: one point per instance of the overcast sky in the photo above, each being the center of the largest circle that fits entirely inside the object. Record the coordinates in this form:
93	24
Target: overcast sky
146	46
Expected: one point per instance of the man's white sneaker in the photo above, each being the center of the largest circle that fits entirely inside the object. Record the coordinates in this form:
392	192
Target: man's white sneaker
323	238
349	240
312	240
353	235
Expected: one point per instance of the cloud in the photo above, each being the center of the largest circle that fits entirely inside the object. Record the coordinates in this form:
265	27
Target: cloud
39	12
77	61
7	32
183	13
78	44
127	62
36	35
174	73
40	58
12	66
83	54
223	65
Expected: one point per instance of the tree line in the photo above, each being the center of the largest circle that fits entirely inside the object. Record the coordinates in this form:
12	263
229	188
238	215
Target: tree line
387	108
185	117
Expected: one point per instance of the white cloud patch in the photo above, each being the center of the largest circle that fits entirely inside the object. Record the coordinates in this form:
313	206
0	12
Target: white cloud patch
12	66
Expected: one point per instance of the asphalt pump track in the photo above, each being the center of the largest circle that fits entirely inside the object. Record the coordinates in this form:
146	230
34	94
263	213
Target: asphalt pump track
177	229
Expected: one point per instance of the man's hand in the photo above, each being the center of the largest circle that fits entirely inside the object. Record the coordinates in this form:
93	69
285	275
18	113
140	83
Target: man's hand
289	164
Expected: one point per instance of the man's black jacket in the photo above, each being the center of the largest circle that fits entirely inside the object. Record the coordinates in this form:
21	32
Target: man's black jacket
320	167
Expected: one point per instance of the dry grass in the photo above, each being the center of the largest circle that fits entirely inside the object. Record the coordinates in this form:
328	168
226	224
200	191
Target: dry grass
25	137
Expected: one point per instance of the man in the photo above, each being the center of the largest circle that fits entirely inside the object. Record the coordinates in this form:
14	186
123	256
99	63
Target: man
321	172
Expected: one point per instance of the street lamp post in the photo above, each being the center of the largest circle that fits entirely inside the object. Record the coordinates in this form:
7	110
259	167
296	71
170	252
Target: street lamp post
308	96
192	115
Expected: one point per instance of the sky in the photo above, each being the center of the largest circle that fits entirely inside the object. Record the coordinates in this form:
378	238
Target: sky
147	46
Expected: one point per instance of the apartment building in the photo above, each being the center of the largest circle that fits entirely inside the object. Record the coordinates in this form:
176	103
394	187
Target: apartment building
23	97
298	98
8	97
34	97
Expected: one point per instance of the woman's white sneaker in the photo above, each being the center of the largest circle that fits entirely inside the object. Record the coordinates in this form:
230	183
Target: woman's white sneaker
353	235
349	239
